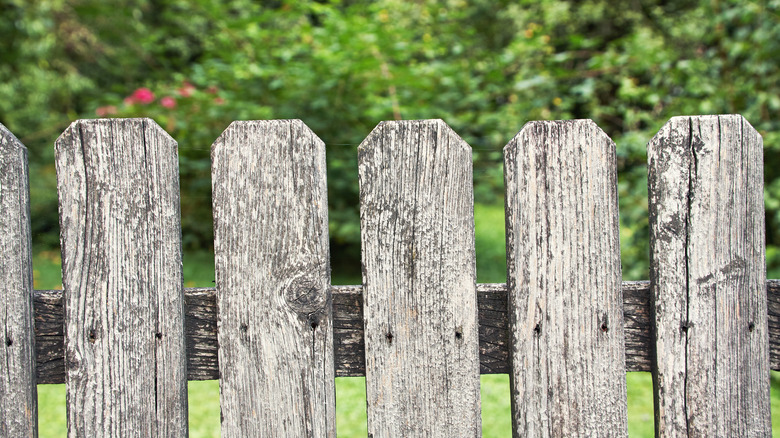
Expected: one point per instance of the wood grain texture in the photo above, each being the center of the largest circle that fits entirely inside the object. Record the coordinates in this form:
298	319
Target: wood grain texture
563	278
419	297
118	187
18	395
273	277
705	184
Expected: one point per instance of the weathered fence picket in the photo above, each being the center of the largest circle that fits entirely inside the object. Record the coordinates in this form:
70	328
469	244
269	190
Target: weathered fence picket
708	278
273	278
125	360
419	280
18	395
563	280
125	336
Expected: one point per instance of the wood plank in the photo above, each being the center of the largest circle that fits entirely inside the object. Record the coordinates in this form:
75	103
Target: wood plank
118	187
273	277
563	277
348	344
705	187
18	394
420	301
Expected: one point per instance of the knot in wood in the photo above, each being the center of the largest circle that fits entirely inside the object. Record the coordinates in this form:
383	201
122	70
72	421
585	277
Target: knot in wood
305	295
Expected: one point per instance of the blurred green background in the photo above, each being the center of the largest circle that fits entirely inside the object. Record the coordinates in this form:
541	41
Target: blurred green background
486	67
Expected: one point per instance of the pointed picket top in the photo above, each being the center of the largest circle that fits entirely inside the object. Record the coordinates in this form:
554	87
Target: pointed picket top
531	128
8	140
706	214
272	262
563	281
417	233
82	132
390	129
675	127
297	126
118	187
18	393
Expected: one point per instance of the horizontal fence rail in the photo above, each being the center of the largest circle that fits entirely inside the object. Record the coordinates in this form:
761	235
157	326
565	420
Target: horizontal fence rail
349	349
125	336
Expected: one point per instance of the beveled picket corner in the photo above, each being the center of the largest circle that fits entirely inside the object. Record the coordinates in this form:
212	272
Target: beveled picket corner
564	327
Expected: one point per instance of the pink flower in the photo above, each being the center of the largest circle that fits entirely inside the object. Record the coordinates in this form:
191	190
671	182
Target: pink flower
186	89
142	95
103	111
212	90
168	102
219	101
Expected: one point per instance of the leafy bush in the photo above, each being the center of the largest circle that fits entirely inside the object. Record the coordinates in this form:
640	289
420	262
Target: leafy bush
485	67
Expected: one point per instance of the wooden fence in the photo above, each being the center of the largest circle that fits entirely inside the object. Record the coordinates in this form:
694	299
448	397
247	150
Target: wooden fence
125	336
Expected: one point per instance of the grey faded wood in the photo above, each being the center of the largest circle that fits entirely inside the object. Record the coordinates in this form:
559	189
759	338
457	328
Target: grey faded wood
118	187
420	309
272	265
705	184
563	280
18	395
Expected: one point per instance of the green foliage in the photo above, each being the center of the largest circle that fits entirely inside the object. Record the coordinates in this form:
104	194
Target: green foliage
485	67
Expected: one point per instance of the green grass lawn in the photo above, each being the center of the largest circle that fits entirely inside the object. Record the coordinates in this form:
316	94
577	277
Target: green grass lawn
350	392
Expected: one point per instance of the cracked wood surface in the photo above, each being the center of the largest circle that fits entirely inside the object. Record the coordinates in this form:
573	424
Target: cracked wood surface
720	283
349	348
705	187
